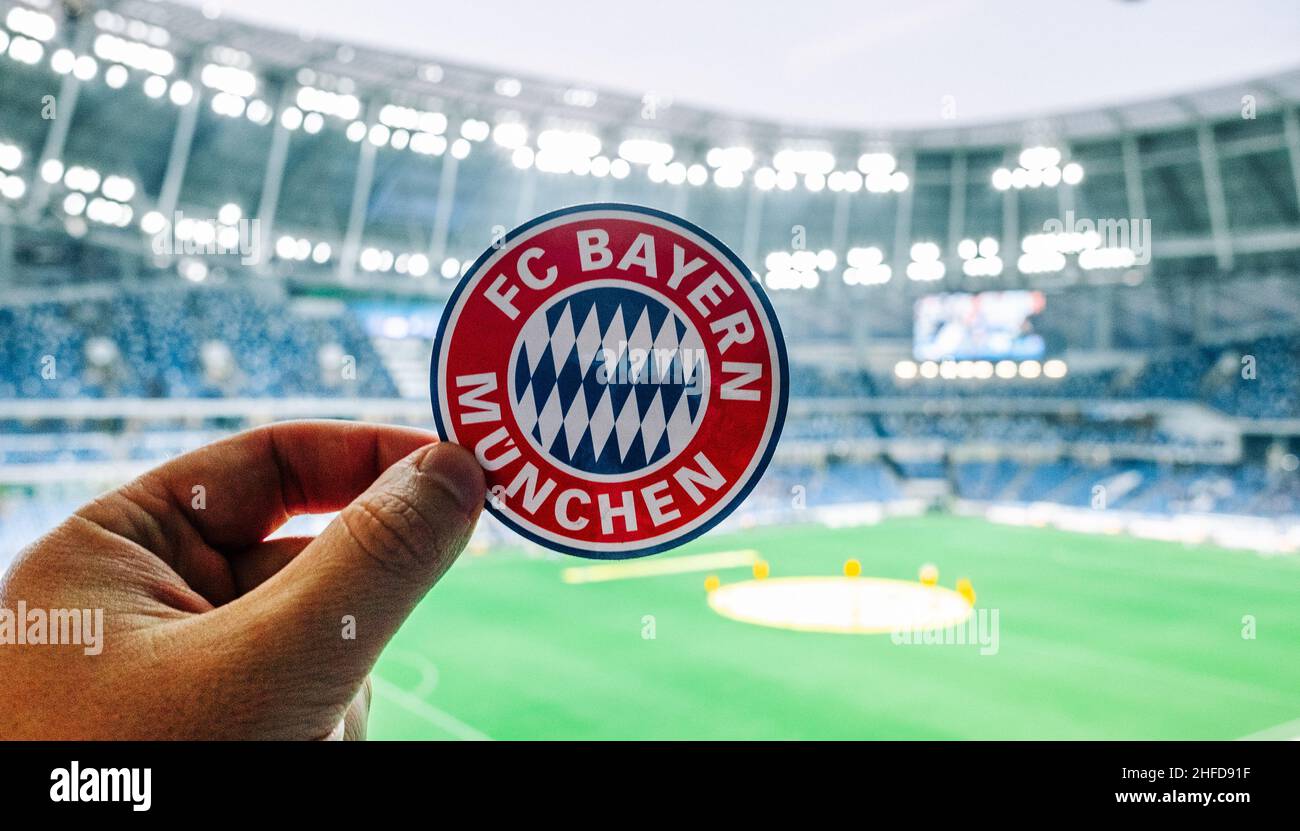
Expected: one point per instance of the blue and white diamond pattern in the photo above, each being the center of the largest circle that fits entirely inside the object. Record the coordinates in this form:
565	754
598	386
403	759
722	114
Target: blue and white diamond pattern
609	380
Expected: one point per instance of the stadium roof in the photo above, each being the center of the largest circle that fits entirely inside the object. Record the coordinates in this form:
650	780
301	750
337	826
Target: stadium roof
850	63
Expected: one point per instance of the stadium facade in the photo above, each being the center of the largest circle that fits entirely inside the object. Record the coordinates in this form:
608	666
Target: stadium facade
206	225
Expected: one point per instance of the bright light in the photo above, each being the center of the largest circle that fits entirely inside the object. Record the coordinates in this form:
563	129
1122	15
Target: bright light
1055	368
508	87
1072	173
134	54
450	267
153	222
877	163
522	157
119	188
929	369
26	50
155	86
510	135
339	105
32	23
906	370
765	178
11	156
74	204
645	151
356	131
116	76
697	174
475	130
52	171
312	123
460	148
417	265
229	214
181	93
229	79
1030	369
62	61
1005	369
804	161
320	254
12	187
741	158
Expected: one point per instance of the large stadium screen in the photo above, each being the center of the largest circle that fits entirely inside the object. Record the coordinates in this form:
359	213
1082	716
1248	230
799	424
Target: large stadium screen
988	325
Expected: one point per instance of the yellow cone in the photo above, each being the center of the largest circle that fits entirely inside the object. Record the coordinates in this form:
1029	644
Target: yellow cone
929	574
852	568
761	570
711	582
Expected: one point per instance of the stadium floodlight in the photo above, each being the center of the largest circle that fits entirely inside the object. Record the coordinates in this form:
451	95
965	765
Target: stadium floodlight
155	86
25	50
30	22
906	370
228	105
400	140
356	131
619	168
510	135
320	253
1055	368
508	87
153	222
11	156
134	54
74	203
948	370
417	265
62	61
460	148
1072	173
929	369
675	173
80	178
569	142
522	157
1002	179
52	171
338	104
118	188
1030	369
1102	258
645	151
786	179
983	370
697	174
657	173
475	129
741	158
450	268
229	79
804	161
12	187
312	123
116	76
379	135
258	112
729	177
988	247
967	249
428	144
229	214
1005	369
181	93
814	182
765	178
881	163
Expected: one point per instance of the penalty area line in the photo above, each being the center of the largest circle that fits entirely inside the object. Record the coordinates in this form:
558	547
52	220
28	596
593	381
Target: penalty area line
418	706
657	568
1288	731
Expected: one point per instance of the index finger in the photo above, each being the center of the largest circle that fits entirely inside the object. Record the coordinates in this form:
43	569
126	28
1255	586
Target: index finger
253	481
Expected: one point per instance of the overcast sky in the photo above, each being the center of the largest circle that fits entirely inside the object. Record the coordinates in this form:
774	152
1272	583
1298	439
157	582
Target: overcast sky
843	62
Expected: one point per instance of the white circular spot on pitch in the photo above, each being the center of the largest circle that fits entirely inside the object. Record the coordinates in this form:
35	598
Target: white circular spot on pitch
861	605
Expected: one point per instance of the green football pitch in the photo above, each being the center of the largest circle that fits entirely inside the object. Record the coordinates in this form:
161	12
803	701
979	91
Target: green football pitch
1099	637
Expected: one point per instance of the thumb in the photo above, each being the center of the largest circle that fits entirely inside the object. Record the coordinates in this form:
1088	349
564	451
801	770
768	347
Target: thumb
324	618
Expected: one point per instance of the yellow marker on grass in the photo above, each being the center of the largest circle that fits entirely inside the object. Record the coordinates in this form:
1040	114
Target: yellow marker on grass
966	590
761	570
852	568
929	574
711	583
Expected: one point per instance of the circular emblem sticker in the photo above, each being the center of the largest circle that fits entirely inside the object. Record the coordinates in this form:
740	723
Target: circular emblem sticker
619	374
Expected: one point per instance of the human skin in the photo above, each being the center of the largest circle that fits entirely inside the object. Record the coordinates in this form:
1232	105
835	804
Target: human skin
210	630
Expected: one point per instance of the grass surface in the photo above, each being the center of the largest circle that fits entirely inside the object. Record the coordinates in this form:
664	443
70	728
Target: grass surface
1100	637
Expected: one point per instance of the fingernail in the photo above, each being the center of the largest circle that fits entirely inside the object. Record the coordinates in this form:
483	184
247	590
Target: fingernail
456	469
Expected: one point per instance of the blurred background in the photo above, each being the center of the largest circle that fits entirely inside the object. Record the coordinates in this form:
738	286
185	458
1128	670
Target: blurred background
1038	270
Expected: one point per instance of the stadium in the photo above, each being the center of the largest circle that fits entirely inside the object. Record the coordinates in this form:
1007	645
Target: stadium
1039	476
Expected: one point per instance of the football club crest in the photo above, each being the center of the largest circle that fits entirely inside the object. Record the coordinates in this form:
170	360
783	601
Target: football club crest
620	375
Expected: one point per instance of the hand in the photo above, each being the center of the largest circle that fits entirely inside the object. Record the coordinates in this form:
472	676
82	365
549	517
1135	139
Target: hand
209	630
